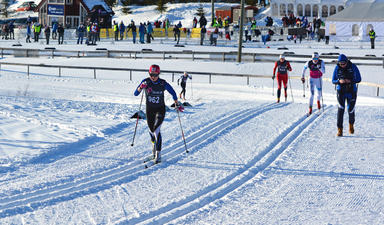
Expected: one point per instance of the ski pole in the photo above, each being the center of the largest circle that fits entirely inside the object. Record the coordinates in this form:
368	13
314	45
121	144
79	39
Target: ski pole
182	132
290	86
138	116
273	87
191	90
321	88
303	90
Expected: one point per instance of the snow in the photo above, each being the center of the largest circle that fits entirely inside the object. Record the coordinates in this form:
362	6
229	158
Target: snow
66	154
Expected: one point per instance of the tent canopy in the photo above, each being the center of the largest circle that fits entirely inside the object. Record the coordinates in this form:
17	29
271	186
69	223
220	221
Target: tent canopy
366	11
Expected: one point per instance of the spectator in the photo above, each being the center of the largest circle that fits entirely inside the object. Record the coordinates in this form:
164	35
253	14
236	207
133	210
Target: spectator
29	33
202	35
47	32
203	21
132	27
122	30
80	34
176	33
194	22
54	30
60	30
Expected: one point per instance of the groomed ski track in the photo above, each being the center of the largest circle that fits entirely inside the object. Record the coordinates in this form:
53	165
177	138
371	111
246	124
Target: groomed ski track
27	200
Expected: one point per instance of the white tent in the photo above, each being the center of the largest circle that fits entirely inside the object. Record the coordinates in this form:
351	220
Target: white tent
355	21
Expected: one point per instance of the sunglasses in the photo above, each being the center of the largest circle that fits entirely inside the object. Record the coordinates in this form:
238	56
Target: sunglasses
315	59
153	74
343	63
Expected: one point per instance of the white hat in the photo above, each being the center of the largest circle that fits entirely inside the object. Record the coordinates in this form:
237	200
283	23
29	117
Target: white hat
315	56
282	57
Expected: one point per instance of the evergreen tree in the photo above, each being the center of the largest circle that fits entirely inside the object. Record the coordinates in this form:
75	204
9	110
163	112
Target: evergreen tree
161	6
111	3
4	4
200	11
126	4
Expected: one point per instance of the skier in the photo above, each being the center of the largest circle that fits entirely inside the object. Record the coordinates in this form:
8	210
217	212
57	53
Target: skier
282	67
345	76
316	71
155	106
183	83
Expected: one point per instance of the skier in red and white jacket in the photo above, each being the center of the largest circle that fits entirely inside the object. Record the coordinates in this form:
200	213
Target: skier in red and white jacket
316	70
282	67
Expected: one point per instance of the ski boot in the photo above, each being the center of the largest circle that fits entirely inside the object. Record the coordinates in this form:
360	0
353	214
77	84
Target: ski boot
153	149
285	98
351	128
278	100
318	105
310	110
157	158
339	132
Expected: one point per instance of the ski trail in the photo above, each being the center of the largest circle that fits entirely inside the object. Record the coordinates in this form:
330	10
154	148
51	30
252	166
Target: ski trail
220	189
30	201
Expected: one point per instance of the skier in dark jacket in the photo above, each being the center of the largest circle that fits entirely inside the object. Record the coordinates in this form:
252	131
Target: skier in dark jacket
183	83
345	76
155	106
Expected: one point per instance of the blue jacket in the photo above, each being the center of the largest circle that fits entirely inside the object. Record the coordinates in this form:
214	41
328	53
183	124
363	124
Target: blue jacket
349	72
167	87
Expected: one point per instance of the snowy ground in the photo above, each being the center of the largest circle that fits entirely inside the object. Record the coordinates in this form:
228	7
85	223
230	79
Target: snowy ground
66	155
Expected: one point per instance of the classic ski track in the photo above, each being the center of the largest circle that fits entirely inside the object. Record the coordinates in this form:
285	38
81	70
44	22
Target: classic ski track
232	182
30	201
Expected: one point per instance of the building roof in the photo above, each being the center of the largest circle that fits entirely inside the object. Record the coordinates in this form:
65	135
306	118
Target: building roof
361	11
92	3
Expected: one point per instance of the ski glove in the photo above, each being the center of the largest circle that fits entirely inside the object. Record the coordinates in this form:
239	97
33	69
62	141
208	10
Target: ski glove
180	108
303	80
273	77
143	85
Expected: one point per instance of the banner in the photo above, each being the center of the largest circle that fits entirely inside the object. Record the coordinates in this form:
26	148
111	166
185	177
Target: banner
57	10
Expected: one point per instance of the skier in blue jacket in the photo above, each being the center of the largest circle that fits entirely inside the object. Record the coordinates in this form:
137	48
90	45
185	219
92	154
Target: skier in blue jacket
155	106
345	76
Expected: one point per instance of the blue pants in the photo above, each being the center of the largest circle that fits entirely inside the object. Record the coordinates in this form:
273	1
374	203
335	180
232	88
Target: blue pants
350	97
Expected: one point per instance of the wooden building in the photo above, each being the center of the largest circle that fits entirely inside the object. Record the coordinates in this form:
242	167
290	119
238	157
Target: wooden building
233	12
71	13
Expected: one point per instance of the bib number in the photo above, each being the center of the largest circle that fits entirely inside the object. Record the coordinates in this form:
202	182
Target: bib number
155	100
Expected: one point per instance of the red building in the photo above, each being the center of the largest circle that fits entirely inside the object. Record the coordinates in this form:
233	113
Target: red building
234	12
71	13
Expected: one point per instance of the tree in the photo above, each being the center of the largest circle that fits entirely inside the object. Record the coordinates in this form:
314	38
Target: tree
111	3
126	4
251	2
200	11
161	6
4	4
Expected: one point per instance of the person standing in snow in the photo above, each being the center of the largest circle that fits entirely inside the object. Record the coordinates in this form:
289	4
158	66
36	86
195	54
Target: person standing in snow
282	67
154	88
345	76
316	70
372	36
183	83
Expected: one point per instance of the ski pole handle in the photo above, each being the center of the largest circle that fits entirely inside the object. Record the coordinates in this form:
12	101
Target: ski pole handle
137	121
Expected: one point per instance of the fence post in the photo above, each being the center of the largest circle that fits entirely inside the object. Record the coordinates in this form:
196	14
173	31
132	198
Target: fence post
173	77
378	88
53	54
383	62
94	73
59	71
26	53
2	53
135	55
130	75
163	55
223	56
247	80
28	71
210	78
254	57
193	57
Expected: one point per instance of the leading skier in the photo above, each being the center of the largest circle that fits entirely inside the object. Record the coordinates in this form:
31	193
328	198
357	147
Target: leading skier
155	106
345	76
